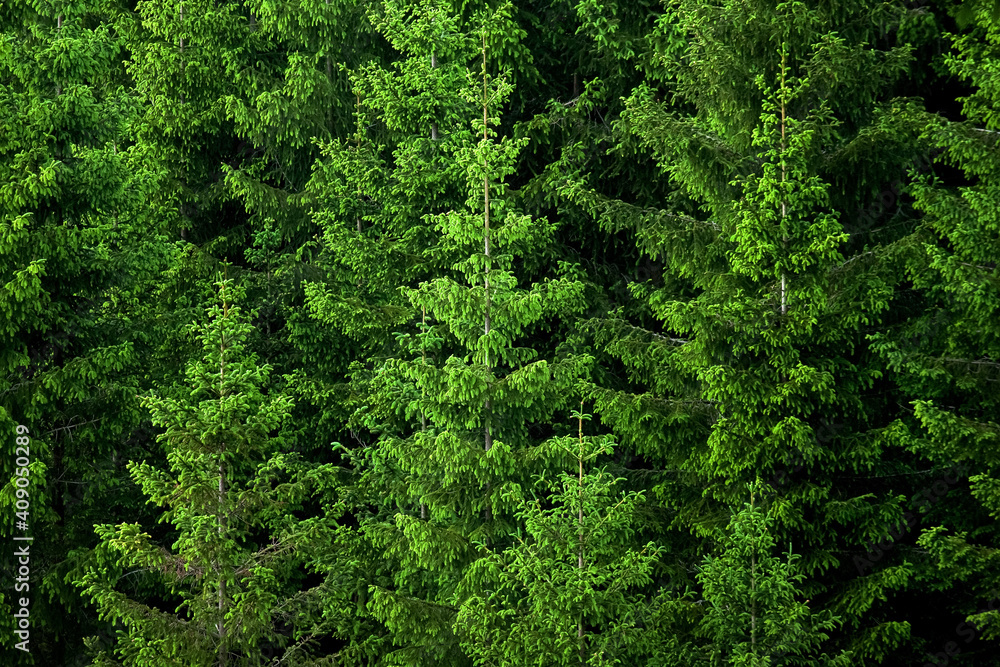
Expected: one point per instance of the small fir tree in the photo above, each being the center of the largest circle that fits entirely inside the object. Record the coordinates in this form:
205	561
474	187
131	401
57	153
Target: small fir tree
752	616
571	588
947	353
230	495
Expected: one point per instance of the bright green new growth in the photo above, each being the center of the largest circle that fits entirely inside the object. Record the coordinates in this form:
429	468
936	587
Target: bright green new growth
74	244
753	618
708	183
228	494
458	398
948	357
568	590
757	335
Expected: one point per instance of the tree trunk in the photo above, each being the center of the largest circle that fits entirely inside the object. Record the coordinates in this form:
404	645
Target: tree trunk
222	514
486	243
181	44
784	204
579	620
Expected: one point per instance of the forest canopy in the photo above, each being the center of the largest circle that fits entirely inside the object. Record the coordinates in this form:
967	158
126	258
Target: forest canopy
495	334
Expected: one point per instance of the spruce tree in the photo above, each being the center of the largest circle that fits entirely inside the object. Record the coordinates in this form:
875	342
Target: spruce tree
751	615
231	495
457	398
75	247
235	97
755	360
946	352
290	94
570	588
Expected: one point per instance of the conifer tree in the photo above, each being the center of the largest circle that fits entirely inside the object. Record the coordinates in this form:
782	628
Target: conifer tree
571	588
374	189
698	179
758	333
178	54
373	192
457	398
75	246
751	613
234	96
230	494
947	352
289	94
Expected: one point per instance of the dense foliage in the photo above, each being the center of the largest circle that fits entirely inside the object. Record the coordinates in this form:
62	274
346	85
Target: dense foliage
425	332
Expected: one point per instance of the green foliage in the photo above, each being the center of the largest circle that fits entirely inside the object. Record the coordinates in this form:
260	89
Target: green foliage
756	335
570	589
74	247
947	357
230	494
731	227
456	398
752	616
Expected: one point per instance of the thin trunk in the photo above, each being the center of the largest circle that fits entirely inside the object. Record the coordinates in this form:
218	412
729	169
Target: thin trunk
423	361
753	594
222	515
223	652
579	620
486	242
423	316
58	30
784	204
434	127
329	78
182	50
487	407
357	144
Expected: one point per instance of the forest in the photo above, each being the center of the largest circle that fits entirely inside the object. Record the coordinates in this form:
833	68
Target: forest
494	333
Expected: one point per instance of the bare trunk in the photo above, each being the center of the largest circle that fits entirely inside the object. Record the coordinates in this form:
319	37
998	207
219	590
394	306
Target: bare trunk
753	591
423	416
181	44
579	620
58	30
486	243
357	110
434	127
784	204
329	78
223	652
487	407
222	514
